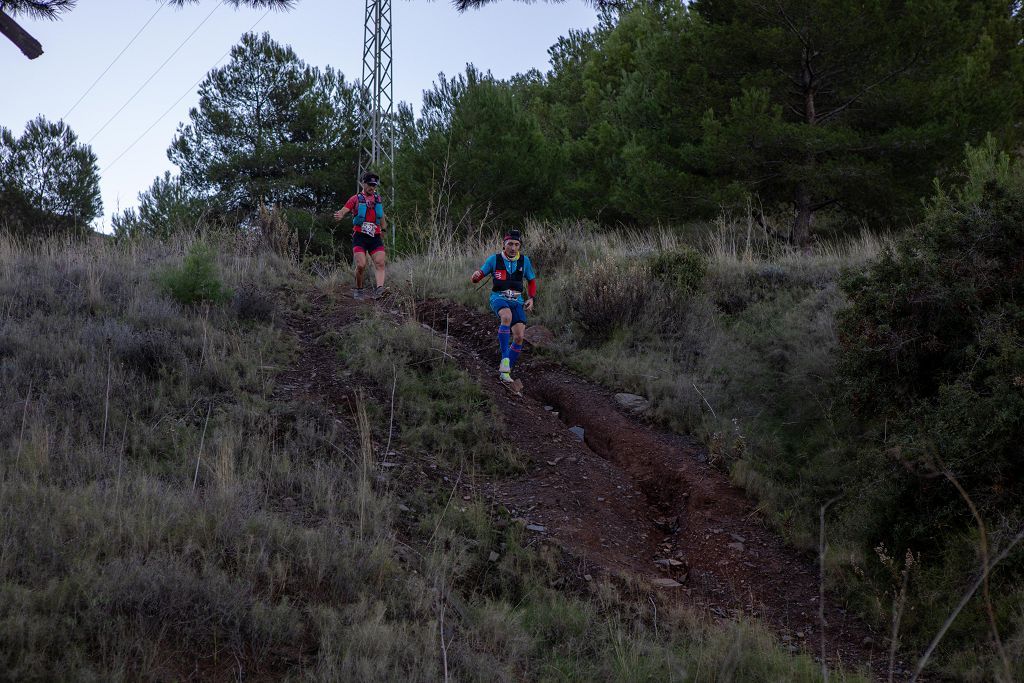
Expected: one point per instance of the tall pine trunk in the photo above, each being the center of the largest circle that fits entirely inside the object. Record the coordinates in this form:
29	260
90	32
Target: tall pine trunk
802	200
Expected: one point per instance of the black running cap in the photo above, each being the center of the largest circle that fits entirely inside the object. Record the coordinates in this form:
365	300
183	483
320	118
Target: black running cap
513	235
370	178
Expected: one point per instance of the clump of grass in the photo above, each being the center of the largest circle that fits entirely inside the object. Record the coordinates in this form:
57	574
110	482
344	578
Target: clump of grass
439	407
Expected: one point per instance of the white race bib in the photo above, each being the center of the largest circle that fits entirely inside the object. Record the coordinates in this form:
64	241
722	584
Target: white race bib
369	229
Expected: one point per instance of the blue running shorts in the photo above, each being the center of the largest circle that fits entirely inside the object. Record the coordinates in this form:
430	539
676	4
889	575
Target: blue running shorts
518	313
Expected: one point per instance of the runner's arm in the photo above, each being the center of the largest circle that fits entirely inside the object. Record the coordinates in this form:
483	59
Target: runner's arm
349	208
486	269
531	291
531	278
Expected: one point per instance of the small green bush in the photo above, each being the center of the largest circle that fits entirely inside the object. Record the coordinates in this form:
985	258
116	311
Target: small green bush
197	279
681	269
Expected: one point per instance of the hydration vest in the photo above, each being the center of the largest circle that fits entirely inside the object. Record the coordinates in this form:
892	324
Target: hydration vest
502	280
360	216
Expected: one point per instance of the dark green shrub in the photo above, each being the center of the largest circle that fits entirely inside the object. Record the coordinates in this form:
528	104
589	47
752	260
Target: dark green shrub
197	278
932	366
681	269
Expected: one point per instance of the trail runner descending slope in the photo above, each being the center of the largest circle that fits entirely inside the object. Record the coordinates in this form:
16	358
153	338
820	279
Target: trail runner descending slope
368	224
510	270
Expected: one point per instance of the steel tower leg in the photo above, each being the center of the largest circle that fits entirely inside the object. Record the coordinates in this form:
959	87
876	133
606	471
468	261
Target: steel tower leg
377	103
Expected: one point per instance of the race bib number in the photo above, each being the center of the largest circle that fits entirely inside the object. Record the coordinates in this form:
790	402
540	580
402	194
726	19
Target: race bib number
510	294
369	229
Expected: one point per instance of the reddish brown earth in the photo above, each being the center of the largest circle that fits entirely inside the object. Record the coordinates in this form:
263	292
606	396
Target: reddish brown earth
630	498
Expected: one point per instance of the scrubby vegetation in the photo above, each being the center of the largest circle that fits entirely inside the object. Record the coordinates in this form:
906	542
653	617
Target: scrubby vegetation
169	511
882	370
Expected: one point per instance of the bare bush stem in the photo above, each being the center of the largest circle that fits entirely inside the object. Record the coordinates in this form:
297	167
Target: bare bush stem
705	400
983	547
440	519
106	403
968	594
391	420
444	645
24	420
202	440
897	616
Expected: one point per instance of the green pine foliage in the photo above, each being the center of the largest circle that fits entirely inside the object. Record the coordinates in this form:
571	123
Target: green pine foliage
271	130
49	181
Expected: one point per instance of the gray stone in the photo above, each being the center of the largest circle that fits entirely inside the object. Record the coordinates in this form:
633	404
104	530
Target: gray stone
493	557
632	402
738	547
536	527
665	583
578	432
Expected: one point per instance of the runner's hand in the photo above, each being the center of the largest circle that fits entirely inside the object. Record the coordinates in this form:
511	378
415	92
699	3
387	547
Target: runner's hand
477	277
529	305
338	215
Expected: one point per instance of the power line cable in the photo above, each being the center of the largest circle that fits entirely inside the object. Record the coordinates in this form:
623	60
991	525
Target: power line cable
153	75
183	96
137	34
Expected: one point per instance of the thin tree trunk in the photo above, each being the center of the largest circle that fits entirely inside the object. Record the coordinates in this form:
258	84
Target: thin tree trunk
804	214
802	200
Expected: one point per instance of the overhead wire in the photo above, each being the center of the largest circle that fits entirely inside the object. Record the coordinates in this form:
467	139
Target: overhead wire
98	78
158	70
183	96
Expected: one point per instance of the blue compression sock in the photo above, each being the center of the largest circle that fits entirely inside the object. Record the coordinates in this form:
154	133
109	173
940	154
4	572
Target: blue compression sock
504	335
513	352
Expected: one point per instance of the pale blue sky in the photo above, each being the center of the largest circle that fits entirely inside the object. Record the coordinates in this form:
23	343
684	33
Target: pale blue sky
430	37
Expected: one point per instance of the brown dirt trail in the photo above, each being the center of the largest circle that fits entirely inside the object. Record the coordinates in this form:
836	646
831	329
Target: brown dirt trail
635	498
629	498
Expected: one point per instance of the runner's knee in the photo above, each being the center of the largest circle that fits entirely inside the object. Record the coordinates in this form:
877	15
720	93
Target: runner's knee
506	316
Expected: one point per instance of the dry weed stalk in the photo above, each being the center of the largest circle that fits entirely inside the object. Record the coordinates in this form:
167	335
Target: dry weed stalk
24	419
964	599
367	463
983	547
899	603
202	440
821	584
106	400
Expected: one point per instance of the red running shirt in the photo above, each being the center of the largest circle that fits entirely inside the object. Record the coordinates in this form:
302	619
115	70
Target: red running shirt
353	207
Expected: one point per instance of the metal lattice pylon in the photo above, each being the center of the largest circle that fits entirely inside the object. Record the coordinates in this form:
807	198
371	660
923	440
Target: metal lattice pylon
377	102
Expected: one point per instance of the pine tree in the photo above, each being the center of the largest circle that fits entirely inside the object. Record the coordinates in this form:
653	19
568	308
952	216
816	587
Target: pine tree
49	182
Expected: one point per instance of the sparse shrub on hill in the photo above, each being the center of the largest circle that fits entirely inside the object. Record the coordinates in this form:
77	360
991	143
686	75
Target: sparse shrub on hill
197	279
610	294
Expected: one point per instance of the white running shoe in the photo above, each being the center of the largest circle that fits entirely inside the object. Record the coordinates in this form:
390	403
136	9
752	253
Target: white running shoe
504	370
